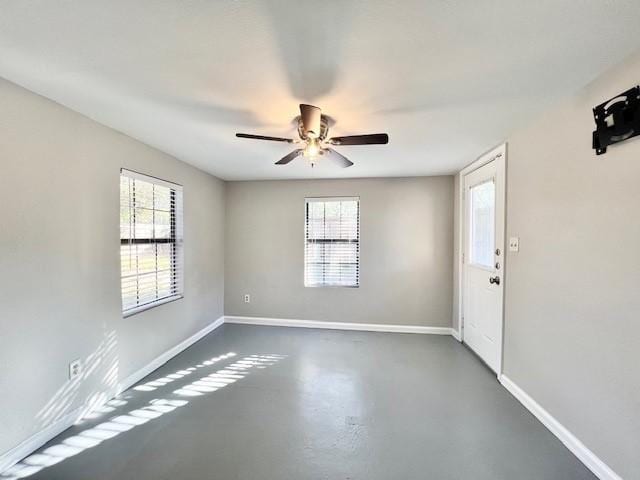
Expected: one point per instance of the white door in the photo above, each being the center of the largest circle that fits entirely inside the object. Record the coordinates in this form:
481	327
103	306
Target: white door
483	259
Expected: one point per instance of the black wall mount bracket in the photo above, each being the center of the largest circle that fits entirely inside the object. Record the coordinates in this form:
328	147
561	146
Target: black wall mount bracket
617	120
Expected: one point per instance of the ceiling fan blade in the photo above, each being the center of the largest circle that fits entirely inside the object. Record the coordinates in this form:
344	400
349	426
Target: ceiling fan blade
287	158
373	139
339	158
311	120
262	137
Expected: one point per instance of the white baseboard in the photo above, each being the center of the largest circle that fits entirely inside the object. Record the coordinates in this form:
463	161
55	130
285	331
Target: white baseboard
456	334
586	456
166	356
367	327
31	444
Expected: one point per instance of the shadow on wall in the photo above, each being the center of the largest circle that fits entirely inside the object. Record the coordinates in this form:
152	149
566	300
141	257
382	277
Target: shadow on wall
94	435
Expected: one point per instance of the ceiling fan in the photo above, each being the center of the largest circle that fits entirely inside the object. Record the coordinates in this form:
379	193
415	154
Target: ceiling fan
313	128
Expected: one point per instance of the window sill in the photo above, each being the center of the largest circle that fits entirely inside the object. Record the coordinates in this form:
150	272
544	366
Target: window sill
134	311
332	286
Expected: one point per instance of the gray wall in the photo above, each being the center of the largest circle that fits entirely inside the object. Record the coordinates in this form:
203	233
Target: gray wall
406	251
455	317
572	294
60	261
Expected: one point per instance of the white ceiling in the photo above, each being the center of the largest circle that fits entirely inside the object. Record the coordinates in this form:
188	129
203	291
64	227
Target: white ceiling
446	79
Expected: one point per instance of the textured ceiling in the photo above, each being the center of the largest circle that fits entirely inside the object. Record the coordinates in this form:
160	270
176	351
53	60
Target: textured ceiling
446	79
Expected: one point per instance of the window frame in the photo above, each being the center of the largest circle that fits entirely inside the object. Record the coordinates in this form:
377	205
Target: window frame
175	239
308	200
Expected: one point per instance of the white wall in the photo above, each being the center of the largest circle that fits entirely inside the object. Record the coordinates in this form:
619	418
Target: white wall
406	251
59	261
572	294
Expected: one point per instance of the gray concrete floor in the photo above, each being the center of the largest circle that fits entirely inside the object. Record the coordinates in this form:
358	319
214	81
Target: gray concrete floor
298	403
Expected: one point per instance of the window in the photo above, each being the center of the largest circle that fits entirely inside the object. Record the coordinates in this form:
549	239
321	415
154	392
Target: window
150	241
332	242
483	223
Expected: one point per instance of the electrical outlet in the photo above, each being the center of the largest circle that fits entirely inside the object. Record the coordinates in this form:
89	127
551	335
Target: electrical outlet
75	369
247	298
514	244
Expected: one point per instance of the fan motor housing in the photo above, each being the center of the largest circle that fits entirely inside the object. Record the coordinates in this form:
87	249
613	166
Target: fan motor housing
324	127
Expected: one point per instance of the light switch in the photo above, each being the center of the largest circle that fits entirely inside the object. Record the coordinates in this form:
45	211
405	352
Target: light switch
514	244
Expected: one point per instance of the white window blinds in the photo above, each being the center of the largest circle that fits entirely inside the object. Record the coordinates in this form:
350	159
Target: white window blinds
332	242
151	242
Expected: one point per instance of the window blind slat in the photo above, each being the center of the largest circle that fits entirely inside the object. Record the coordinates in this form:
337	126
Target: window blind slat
332	242
151	241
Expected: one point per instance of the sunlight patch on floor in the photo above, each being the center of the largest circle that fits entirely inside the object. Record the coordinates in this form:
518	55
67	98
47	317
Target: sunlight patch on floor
120	423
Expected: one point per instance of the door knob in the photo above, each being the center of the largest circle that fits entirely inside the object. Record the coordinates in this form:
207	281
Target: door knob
494	280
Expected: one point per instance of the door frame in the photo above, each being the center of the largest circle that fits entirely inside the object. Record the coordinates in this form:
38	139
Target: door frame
499	154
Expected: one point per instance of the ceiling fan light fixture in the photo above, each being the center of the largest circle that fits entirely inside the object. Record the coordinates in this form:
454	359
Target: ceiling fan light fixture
313	149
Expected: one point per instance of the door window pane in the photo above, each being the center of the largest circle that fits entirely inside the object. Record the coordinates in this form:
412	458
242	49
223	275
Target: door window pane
482	208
